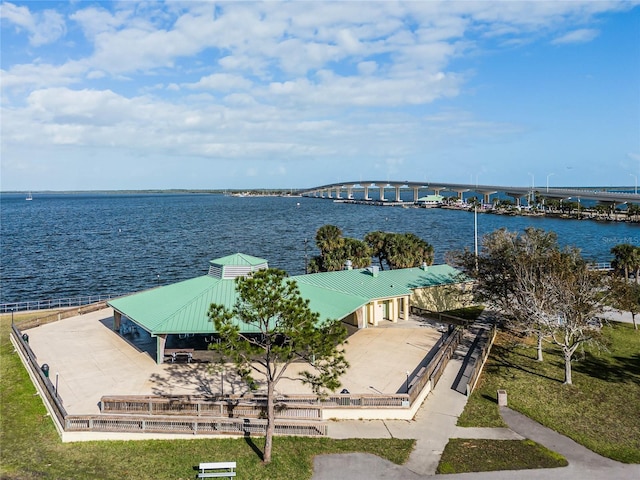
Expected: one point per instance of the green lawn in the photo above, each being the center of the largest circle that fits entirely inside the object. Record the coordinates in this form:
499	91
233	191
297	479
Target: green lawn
463	455
601	410
32	449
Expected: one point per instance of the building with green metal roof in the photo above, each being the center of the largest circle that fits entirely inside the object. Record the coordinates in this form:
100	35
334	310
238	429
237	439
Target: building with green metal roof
361	297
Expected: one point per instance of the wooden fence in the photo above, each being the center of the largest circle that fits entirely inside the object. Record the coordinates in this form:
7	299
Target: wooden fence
49	391
227	407
234	415
434	369
480	360
189	425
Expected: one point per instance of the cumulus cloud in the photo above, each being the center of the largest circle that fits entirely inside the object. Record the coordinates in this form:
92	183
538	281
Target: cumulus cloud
43	27
258	81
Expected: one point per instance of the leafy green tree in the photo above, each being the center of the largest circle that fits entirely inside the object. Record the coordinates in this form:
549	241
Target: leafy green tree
625	296
627	259
633	210
287	331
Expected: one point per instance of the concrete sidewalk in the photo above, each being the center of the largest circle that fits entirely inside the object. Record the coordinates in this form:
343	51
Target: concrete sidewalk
435	424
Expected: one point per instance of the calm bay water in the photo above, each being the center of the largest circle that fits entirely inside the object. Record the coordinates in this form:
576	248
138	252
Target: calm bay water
67	245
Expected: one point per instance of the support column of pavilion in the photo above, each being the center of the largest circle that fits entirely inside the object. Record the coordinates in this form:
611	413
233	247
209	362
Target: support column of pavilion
161	341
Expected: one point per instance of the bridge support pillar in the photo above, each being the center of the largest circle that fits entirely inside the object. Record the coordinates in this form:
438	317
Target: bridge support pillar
366	193
338	192
398	199
329	194
486	198
350	193
416	194
382	199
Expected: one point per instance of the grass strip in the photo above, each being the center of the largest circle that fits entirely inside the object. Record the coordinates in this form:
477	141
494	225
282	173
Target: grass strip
600	410
463	455
32	449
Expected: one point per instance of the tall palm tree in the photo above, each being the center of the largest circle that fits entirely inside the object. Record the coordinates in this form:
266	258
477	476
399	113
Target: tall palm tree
376	241
328	238
626	258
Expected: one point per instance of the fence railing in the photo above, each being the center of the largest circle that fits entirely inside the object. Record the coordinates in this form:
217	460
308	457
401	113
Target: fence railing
600	266
434	369
59	315
295	414
43	381
227	407
56	303
189	425
480	360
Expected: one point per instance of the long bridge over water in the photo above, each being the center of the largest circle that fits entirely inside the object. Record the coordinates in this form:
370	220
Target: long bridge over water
345	190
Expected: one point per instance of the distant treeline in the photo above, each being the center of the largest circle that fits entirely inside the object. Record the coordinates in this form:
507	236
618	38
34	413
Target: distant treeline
255	191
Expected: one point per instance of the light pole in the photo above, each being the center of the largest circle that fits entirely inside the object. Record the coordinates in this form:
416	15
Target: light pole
475	231
407	381
548	181
636	183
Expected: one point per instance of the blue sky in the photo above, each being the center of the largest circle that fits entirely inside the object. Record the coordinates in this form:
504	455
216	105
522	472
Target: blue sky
187	94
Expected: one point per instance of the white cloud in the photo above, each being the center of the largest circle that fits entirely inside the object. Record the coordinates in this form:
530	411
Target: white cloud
43	27
220	82
264	81
582	35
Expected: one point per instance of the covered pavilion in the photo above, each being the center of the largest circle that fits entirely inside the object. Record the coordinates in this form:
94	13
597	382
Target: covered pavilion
359	297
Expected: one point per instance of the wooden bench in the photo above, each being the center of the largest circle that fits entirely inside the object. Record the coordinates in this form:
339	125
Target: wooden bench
217	470
174	353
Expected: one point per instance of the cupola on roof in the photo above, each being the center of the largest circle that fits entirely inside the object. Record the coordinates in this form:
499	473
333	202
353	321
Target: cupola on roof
237	265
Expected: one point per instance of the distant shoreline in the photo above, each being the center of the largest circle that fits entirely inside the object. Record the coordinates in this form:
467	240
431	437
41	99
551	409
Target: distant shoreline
230	191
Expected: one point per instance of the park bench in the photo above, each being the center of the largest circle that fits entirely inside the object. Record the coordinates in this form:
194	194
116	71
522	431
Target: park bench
217	470
174	353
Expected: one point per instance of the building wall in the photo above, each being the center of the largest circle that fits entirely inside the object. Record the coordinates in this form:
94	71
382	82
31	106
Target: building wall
442	297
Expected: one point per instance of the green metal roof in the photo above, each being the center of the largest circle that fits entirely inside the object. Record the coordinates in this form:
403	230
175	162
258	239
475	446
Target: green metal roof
239	259
182	307
387	283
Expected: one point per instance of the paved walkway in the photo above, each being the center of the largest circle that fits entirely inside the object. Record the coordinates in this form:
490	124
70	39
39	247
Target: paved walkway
435	424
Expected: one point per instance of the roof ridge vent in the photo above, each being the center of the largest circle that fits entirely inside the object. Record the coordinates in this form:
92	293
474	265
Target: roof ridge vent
373	270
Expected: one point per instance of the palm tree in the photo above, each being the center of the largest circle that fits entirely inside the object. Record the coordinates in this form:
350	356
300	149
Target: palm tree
376	241
328	238
627	257
357	251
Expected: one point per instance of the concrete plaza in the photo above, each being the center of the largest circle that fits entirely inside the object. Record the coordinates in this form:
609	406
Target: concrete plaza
91	360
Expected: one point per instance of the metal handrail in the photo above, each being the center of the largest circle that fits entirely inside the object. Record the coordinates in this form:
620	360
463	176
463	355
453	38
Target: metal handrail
57	303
